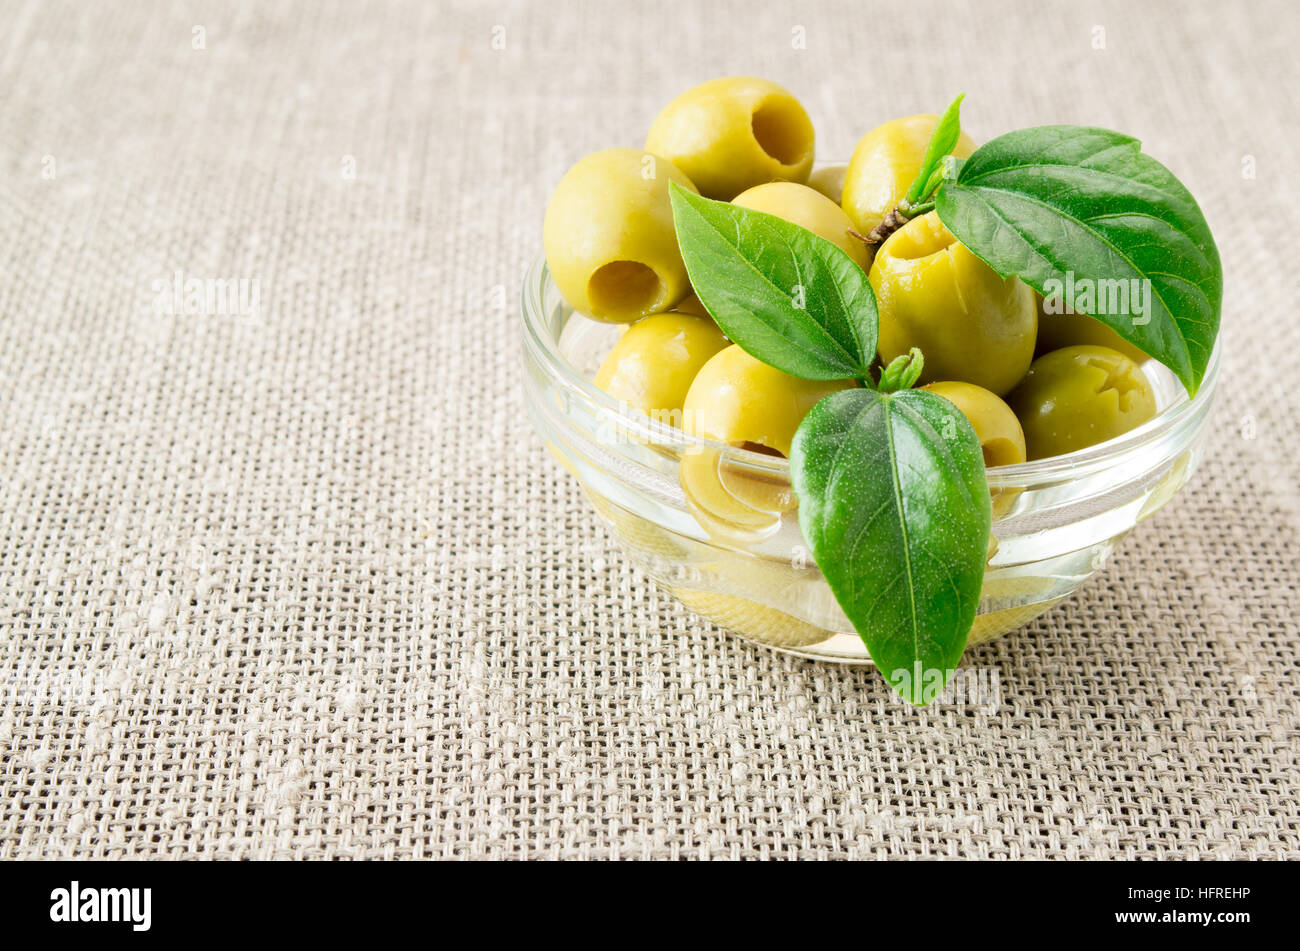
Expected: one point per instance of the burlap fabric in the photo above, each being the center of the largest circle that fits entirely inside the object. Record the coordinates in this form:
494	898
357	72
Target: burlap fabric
296	579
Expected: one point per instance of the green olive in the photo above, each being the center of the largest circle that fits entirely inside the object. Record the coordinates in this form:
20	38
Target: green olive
829	180
652	365
1057	330
808	209
883	165
934	294
1080	396
733	133
1002	441
743	402
609	237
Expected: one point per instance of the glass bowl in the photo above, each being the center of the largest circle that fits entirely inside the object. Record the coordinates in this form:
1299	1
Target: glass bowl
1055	521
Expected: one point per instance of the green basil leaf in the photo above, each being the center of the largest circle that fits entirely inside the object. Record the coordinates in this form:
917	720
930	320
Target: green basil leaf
787	296
1081	214
942	141
894	503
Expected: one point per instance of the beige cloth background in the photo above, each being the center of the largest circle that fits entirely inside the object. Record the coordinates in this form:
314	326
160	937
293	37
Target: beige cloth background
302	582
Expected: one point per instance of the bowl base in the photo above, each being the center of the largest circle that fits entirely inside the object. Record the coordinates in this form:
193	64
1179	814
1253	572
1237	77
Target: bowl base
769	627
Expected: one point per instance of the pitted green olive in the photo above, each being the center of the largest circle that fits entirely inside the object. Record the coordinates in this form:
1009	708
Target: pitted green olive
739	400
733	133
652	365
883	165
1079	396
743	402
934	294
1001	439
610	242
808	209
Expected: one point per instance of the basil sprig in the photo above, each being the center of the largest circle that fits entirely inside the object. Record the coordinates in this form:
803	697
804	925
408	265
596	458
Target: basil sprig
893	498
935	167
789	297
1082	214
894	504
942	141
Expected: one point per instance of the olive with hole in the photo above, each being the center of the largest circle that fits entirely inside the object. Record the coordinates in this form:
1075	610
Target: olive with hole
934	294
1079	396
810	210
740	401
734	133
883	164
609	238
654	362
1002	441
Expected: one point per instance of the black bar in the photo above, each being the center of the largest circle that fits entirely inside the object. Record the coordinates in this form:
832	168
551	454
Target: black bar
899	901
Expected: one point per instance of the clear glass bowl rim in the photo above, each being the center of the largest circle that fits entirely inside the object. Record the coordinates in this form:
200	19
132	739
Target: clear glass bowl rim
1181	412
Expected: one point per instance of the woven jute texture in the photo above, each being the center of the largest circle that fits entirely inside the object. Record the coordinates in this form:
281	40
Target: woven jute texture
289	575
